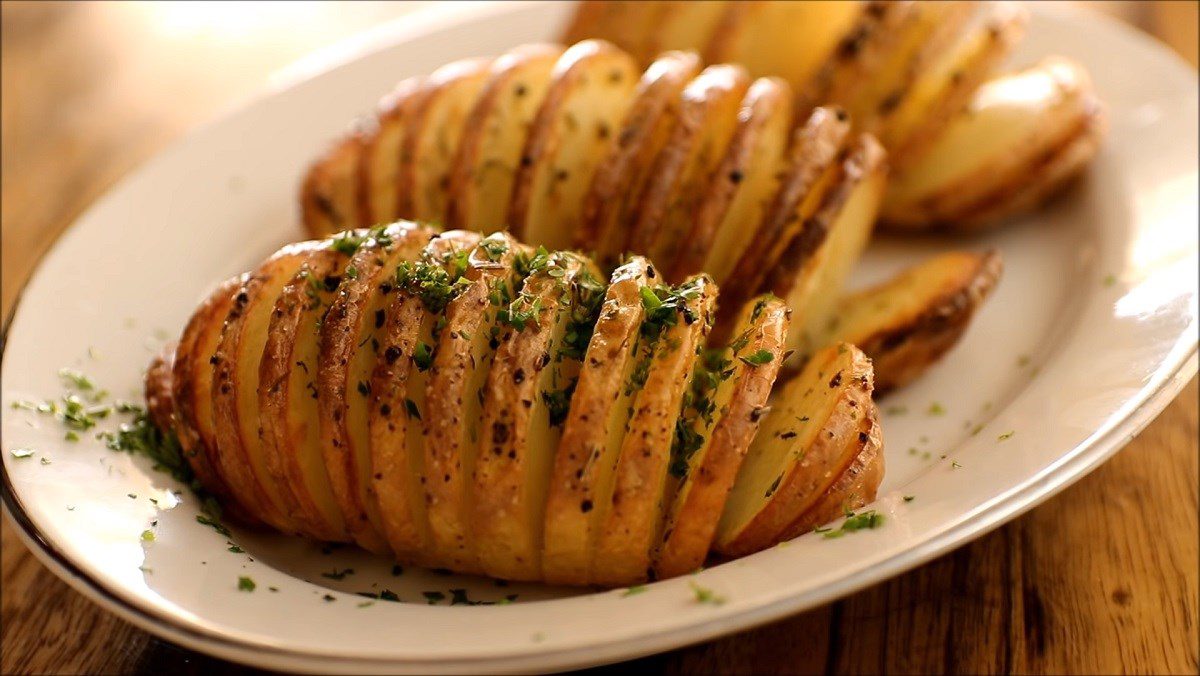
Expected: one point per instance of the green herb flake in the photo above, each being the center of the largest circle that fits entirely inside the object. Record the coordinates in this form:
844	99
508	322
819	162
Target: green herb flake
758	358
868	520
936	409
147	535
236	549
634	590
909	498
22	452
433	597
336	574
1110	280
1006	436
246	584
706	595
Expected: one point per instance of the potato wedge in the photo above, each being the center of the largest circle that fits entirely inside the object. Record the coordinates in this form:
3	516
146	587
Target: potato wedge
815	161
946	87
707	119
619	181
346	354
329	195
287	402
862	51
854	488
727	401
810	274
407	343
191	395
632	523
235	364
739	191
432	135
908	322
455	392
921	36
1046	179
581	479
789	40
817	426
494	134
1014	123
379	170
588	95
525	403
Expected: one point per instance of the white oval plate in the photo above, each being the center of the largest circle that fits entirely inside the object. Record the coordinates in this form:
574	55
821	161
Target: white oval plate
1092	331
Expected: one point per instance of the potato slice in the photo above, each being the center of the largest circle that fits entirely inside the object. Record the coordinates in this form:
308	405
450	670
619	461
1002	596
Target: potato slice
707	119
525	404
347	351
432	135
860	53
494	134
727	400
816	427
235	368
329	195
191	394
1014	123
589	92
855	487
789	40
811	272
922	35
815	162
617	186
908	322
683	25
628	24
739	191
455	392
407	344
631	524
581	479
1046	178
379	170
287	392
947	85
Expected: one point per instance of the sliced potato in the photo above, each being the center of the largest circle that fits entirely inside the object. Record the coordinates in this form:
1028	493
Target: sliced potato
1014	123
785	39
235	365
855	487
287	402
581	479
617	186
815	162
346	353
739	191
816	427
908	322
494	134
379	170
707	119
589	93
454	396
525	404
191	394
432	135
1046	179
862	51
628	24
922	34
407	343
683	25
810	274
632	522
946	87
329	195
727	401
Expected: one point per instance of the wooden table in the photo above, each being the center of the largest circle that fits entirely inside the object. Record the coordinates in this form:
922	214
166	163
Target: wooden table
1102	578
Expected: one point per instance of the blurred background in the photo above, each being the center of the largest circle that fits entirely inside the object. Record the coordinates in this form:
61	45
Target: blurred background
90	90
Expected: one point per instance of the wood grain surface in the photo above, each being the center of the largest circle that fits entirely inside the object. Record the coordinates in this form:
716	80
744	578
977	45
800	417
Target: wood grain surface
1100	579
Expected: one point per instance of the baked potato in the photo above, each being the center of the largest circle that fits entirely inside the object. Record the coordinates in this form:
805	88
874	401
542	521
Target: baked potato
474	404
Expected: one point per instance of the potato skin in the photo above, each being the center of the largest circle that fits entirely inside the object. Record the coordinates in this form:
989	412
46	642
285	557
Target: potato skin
854	488
330	199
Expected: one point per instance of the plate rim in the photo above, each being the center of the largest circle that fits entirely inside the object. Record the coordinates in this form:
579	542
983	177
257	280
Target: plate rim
1077	462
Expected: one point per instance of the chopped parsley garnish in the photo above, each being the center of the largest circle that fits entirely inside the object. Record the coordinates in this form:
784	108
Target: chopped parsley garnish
236	549
433	597
336	574
706	595
431	283
422	356
558	403
348	242
212	523
148	535
1006	436
246	584
22	452
909	498
936	409
494	248
758	358
854	522
73	378
634	590
410	407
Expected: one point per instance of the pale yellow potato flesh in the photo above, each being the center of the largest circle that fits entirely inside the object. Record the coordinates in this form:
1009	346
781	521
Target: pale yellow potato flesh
379	169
